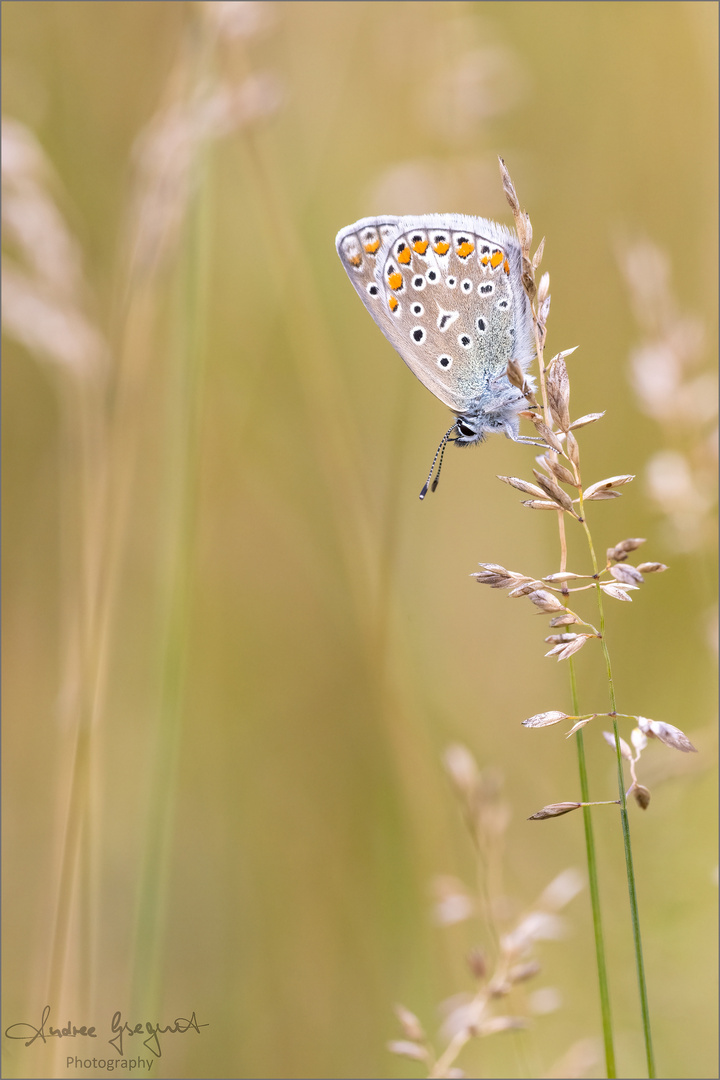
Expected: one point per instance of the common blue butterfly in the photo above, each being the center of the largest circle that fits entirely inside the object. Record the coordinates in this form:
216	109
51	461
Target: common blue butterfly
446	290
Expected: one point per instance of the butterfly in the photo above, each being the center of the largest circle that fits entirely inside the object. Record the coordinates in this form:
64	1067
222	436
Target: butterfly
446	290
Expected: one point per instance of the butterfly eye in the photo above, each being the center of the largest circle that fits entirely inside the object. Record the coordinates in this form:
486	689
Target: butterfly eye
465	431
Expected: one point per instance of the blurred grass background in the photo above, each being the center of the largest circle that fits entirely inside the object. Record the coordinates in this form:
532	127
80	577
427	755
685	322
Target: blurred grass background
235	642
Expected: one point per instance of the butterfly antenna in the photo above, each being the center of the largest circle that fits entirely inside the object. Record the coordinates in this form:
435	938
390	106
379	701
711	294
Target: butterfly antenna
441	453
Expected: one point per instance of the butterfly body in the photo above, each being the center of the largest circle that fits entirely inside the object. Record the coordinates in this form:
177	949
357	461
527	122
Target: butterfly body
447	292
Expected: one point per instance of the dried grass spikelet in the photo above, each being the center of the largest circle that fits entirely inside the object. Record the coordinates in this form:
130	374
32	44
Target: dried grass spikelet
545	719
583	421
411	1026
625	750
667	733
552	488
405	1048
641	795
559	471
46	298
523	485
672	343
674	386
546	601
573	643
166	152
617	592
463	771
543	312
544	432
605	489
497	577
545	1000
565	620
554	810
523	972
485	812
238	20
516	377
478	962
626	574
525	589
473	1016
453	903
580	724
497	1024
523	229
621	551
535	925
563	888
558	390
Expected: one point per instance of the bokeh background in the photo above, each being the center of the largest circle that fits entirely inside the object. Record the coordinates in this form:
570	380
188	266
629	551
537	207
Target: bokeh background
236	644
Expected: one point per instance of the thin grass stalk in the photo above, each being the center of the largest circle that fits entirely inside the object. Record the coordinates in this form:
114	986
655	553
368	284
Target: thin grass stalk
603	987
184	400
46	310
72	955
335	442
590	854
540	311
592	865
625	821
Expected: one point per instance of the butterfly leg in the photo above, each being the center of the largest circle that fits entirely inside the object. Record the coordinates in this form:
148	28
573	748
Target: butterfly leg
527	440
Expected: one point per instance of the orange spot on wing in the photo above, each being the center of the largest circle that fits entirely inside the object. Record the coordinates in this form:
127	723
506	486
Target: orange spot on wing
420	246
484	260
506	267
393	303
465	249
354	260
441	248
372	247
395	280
404	256
495	259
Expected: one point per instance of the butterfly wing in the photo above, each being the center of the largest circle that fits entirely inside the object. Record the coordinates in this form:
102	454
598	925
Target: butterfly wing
358	246
446	291
454	291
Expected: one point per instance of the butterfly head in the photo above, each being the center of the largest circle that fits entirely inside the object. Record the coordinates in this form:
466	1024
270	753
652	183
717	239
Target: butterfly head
474	429
496	413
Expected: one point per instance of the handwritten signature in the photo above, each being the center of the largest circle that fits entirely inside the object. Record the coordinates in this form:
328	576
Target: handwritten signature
119	1027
